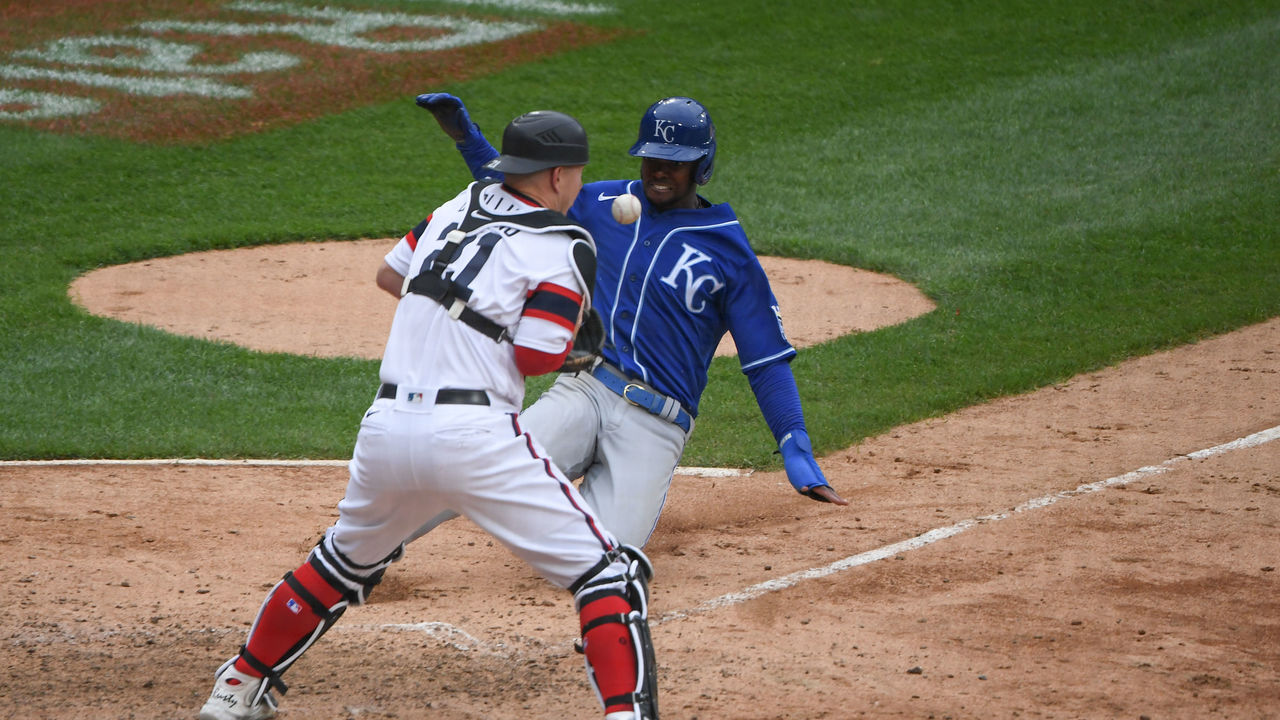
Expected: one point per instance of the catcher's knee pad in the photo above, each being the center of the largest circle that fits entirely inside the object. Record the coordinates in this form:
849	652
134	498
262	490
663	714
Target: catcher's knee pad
303	606
613	602
354	580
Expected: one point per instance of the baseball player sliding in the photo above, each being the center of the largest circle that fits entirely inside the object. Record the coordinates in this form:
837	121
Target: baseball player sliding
670	283
498	281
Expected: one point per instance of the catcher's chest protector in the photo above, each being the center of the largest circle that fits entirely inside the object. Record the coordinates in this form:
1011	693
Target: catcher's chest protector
432	283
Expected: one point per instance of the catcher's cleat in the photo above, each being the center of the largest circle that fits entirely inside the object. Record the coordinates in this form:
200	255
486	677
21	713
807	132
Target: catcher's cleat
233	697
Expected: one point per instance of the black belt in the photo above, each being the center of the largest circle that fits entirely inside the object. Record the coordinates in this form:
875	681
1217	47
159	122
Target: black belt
641	395
444	396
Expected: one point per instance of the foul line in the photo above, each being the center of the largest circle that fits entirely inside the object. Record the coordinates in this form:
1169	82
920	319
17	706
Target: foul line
216	462
452	633
943	533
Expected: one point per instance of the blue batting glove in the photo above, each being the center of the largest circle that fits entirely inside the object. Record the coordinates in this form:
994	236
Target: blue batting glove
802	470
453	118
451	114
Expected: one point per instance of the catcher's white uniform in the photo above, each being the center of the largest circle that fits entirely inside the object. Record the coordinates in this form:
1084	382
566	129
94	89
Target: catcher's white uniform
415	457
496	285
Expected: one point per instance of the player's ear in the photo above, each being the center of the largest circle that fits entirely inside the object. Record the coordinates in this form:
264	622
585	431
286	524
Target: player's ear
556	179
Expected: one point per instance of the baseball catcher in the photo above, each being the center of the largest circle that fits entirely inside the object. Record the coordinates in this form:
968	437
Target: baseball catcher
496	284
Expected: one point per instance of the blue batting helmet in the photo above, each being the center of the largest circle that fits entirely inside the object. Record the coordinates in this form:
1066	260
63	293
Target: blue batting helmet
678	129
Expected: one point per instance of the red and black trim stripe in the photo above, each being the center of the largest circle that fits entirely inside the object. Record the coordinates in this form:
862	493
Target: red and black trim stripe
565	487
554	303
413	236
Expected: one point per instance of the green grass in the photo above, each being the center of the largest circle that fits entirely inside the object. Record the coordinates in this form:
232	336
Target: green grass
1074	183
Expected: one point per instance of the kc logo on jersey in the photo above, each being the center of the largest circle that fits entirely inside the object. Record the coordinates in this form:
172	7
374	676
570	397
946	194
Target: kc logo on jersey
777	313
684	269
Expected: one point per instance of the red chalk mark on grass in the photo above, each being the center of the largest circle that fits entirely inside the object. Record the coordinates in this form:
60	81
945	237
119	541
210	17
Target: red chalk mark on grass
328	79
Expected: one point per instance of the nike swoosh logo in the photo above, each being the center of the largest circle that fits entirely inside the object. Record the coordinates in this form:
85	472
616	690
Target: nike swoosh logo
604	197
479	215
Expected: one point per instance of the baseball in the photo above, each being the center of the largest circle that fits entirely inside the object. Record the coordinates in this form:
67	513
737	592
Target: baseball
626	209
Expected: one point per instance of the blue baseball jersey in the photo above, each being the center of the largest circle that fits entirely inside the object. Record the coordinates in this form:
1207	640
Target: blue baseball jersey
691	276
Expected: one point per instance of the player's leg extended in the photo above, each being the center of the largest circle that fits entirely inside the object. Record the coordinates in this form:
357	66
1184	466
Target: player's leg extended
636	455
613	609
529	506
297	611
311	598
566	420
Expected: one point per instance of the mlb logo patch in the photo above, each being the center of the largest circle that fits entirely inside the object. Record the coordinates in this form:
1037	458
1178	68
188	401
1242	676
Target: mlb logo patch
293	606
414	396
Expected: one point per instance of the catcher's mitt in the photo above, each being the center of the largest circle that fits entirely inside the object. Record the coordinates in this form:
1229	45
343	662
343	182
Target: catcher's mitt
586	344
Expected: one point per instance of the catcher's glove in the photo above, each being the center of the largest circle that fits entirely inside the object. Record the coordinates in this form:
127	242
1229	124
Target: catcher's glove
586	344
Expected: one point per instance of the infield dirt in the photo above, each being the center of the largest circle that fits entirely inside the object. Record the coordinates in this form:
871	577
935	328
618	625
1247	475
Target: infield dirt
1153	599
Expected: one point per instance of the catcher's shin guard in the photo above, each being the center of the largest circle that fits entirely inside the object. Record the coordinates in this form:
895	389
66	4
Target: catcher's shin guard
302	607
613	603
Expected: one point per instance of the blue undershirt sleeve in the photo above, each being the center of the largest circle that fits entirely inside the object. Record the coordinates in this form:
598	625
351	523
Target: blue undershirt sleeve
476	151
775	389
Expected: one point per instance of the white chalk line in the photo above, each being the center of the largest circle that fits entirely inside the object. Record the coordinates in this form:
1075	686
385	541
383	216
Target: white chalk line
453	634
448	634
942	533
270	462
152	462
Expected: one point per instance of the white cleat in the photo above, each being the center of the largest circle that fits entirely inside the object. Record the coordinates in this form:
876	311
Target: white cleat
232	692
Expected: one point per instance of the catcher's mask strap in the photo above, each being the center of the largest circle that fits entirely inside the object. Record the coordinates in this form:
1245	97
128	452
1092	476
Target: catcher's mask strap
643	396
431	281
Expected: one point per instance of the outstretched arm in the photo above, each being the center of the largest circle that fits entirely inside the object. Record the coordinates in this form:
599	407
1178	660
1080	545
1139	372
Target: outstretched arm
455	121
775	388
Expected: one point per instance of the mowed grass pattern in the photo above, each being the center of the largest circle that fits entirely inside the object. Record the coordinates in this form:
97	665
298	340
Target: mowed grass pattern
1072	183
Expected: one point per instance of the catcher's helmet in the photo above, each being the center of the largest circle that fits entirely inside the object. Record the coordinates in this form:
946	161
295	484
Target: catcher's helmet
679	129
539	140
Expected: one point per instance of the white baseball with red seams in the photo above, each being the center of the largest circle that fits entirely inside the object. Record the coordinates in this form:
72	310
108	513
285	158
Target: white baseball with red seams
626	208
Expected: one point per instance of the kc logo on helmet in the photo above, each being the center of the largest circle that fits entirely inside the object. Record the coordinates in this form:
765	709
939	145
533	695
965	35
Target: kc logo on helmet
664	129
